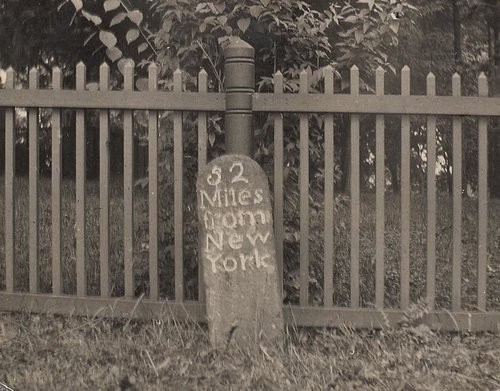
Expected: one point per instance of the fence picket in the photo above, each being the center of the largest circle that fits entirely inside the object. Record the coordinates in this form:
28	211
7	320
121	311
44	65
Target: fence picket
304	196
81	275
33	184
431	197
128	184
202	161
153	187
329	195
303	314
405	195
355	196
56	188
380	194
456	289
482	262
10	198
178	197
278	179
104	194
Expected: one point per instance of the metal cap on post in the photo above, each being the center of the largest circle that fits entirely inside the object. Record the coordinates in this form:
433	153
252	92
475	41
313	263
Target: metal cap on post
239	83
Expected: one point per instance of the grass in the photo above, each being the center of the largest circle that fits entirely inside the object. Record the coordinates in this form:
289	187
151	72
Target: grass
59	353
341	247
46	351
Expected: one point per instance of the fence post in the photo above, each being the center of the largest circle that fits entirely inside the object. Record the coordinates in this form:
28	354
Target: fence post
239	70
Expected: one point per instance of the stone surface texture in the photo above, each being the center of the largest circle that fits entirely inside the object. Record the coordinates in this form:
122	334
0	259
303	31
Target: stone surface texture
244	304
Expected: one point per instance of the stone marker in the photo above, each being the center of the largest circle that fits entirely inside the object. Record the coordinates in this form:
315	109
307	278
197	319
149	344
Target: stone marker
238	253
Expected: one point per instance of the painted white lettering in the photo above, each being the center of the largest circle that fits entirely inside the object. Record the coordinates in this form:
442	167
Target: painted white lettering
258	196
238	177
215	200
209	221
251	217
260	260
232	193
231	268
229	220
213	258
216	241
214	178
243	197
235	241
253	239
244	259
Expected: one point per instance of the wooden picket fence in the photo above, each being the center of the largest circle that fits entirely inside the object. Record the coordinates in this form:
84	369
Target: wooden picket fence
203	102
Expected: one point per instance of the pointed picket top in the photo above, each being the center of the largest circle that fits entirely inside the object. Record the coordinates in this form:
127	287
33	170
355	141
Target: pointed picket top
354	80
152	77
431	84
304	82
104	73
56	78
11	75
33	78
456	85
202	80
128	75
379	80
482	81
328	72
81	76
278	82
405	80
177	80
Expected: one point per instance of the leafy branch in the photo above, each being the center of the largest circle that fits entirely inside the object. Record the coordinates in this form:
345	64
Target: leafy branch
107	37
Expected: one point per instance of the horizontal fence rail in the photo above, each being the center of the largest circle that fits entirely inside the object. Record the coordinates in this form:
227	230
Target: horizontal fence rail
266	102
278	104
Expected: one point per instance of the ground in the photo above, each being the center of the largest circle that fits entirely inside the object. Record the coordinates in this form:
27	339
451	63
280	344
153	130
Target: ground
60	353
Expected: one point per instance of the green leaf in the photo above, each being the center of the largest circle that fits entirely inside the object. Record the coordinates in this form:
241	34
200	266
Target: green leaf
92	18
351	19
121	65
132	35
94	86
394	26
359	35
370	3
167	25
220	6
255	10
222	19
143	46
107	38
110	5
243	24
78	4
366	26
113	53
142	84
118	18
211	139
265	3
135	16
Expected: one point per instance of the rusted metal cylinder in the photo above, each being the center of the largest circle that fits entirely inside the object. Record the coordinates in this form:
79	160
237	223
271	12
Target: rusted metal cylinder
239	84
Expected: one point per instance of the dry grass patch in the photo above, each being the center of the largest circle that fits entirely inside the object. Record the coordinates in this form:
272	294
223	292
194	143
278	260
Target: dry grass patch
60	353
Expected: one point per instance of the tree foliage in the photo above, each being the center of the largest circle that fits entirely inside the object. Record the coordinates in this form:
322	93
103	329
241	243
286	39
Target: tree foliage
287	35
